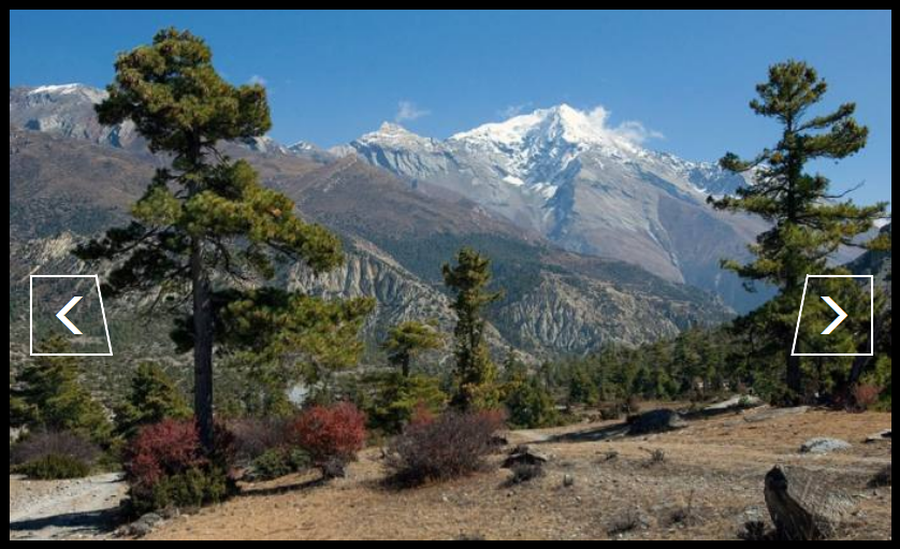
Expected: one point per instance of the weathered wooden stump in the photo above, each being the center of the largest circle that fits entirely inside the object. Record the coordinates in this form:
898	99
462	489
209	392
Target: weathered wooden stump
801	506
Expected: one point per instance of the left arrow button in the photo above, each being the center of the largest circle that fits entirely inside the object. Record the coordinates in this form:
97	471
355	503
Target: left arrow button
61	315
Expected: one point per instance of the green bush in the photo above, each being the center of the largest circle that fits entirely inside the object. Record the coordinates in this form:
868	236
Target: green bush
50	396
582	389
530	406
54	467
277	463
399	397
153	398
191	489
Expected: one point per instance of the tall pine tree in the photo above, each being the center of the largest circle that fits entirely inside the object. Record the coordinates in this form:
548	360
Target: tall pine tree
809	223
476	374
204	221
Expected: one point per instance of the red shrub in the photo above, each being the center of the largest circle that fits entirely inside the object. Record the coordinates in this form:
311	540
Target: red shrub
165	449
172	448
446	447
166	467
330	433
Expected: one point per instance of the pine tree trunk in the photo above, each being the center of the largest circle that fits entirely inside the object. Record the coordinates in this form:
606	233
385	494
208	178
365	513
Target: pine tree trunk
405	366
794	377
203	346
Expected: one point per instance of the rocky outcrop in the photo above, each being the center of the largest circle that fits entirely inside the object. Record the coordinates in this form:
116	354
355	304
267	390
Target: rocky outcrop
574	314
525	455
656	421
368	272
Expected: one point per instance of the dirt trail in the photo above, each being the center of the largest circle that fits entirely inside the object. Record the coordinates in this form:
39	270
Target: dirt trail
73	509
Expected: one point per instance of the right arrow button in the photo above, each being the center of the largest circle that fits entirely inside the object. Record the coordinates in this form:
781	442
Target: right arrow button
837	321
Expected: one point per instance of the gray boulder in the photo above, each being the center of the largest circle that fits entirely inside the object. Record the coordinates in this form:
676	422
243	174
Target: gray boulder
739	402
525	455
768	414
142	527
824	445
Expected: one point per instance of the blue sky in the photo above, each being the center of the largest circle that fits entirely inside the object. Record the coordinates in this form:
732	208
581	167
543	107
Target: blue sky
332	76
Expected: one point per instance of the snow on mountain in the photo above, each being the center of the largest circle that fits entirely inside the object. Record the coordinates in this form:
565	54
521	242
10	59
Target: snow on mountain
94	95
266	145
302	146
547	127
68	110
396	135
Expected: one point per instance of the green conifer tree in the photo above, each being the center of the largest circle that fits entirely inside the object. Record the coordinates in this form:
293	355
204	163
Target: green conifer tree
809	223
153	398
204	221
408	340
476	373
51	397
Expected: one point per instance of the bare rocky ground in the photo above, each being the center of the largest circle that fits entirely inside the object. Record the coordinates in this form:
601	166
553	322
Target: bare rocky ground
706	482
708	485
73	509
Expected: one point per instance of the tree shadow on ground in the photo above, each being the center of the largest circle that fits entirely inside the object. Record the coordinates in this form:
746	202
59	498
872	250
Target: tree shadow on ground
102	521
299	486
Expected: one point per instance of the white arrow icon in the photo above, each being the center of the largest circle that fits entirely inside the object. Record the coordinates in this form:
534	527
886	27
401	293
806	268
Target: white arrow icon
837	321
61	315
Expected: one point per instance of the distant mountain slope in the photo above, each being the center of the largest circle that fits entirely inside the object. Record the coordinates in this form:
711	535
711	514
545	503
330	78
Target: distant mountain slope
561	173
575	293
68	110
397	238
72	176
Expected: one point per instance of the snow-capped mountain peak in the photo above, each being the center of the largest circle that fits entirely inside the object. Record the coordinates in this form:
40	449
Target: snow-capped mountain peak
302	146
585	183
388	130
583	129
393	135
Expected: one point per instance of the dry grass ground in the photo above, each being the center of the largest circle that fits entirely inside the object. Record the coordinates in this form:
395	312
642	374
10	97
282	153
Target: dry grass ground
709	484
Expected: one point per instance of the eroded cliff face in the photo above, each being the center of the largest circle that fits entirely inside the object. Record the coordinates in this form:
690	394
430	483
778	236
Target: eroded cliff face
576	315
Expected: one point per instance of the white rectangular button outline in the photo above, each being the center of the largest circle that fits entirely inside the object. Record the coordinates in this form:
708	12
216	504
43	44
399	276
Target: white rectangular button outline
31	316
871	316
